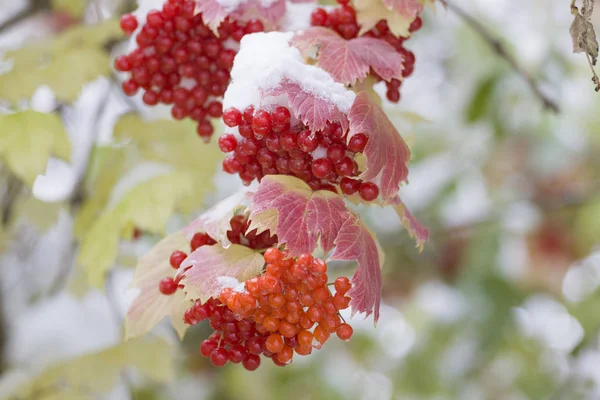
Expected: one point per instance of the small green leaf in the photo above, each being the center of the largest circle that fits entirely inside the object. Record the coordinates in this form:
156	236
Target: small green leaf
482	99
28	139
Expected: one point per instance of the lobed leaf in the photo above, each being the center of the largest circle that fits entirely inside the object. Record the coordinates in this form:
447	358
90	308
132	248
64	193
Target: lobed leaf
386	153
355	242
28	139
151	306
208	263
414	228
312	110
399	14
349	61
214	13
303	216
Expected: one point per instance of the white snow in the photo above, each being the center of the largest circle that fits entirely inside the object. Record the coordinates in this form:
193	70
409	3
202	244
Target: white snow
231	282
232	5
297	16
267	59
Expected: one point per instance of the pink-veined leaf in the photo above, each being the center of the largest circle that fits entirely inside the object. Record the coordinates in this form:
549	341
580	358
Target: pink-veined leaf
151	306
386	153
216	221
355	242
209	263
414	228
312	110
399	14
348	61
214	13
303	215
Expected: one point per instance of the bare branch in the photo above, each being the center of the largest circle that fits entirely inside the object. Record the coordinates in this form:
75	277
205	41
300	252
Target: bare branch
501	51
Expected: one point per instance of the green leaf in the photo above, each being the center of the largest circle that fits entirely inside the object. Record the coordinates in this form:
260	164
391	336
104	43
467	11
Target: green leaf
148	205
587	227
481	101
90	375
64	63
76	8
28	139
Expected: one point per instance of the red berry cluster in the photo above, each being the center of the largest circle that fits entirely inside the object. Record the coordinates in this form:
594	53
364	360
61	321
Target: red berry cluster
343	20
291	305
180	62
237	235
270	145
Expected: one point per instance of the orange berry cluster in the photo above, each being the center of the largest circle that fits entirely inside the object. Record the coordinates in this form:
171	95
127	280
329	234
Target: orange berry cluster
292	304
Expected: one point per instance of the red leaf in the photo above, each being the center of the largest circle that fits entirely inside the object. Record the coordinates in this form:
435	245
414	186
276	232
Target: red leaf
209	263
302	215
411	224
386	153
214	13
312	110
151	306
350	60
356	242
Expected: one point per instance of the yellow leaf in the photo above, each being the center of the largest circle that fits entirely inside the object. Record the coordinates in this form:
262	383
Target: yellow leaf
97	373
74	7
64	63
151	306
587	228
28	139
175	143
369	12
148	205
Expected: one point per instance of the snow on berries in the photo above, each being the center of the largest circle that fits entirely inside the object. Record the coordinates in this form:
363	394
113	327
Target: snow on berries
180	62
287	310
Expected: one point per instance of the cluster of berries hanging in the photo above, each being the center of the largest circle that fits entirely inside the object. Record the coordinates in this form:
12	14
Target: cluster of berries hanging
342	20
180	62
272	144
237	235
288	309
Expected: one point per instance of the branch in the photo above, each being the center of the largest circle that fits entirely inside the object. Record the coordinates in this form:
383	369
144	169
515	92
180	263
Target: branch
499	49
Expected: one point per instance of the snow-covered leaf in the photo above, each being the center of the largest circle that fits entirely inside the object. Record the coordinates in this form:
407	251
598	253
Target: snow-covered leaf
399	14
147	205
350	60
312	110
214	12
414	228
303	215
151	306
216	221
94	374
28	139
355	242
387	155
209	263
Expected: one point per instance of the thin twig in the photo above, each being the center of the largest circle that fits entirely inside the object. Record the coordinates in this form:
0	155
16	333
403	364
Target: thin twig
499	49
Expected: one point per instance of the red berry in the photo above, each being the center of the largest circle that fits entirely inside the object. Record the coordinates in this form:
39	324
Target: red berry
393	95
344	332
177	258
345	167
129	23
219	357
237	353
232	117
307	141
129	87
318	17
336	152
252	362
261	124
215	109
349	186
207	347
227	143
358	142
415	25
321	167
281	116
167	286
254	25
368	191
122	64
342	285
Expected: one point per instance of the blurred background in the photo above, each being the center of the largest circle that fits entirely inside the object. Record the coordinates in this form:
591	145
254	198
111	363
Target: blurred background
503	303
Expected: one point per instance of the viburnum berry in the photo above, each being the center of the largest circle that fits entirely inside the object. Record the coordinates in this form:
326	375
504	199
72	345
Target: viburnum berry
168	286
345	332
180	62
177	258
368	191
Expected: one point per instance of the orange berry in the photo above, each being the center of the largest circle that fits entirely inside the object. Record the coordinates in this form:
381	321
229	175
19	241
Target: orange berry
287	263
303	350
311	282
321	335
330	322
285	354
253	287
260	328
271	323
275	270
299	271
329	307
293	307
276	300
293	318
224	295
273	255
322	294
274	343
307	300
341	302
305	322
345	332
321	280
287	330
279	313
304	260
318	267
259	316
305	338
269	284
342	285
290	293
315	313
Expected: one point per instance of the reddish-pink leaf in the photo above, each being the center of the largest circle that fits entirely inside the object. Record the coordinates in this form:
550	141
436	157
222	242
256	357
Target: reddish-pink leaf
151	306
303	215
386	153
350	60
211	263
411	224
356	242
214	13
312	110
